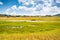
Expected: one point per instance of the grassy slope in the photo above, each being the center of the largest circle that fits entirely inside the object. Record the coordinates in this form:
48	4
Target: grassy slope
29	30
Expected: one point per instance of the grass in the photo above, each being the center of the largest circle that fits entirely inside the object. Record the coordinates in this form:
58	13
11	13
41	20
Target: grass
29	30
27	27
32	18
51	35
22	30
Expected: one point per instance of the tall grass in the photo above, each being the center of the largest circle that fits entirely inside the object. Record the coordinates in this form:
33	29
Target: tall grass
29	30
54	18
27	27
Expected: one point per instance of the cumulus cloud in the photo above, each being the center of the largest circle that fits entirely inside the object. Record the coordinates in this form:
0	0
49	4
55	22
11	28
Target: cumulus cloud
27	2
14	7
54	10
36	8
58	1
1	3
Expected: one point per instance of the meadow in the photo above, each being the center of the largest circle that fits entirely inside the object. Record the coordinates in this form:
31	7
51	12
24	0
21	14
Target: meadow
42	18
23	30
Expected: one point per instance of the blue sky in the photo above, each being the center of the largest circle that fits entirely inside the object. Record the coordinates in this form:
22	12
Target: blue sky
30	7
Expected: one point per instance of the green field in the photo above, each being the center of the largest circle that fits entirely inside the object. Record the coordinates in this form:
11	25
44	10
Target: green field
54	18
46	28
29	30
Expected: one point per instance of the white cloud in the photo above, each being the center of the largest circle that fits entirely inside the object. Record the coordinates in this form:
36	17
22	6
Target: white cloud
1	3
32	2
40	9
14	7
26	3
55	10
22	10
58	1
21	1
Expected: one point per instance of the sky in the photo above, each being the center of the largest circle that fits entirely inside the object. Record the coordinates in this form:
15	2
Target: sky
30	7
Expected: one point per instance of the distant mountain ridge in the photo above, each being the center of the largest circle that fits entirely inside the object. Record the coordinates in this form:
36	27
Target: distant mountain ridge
57	15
